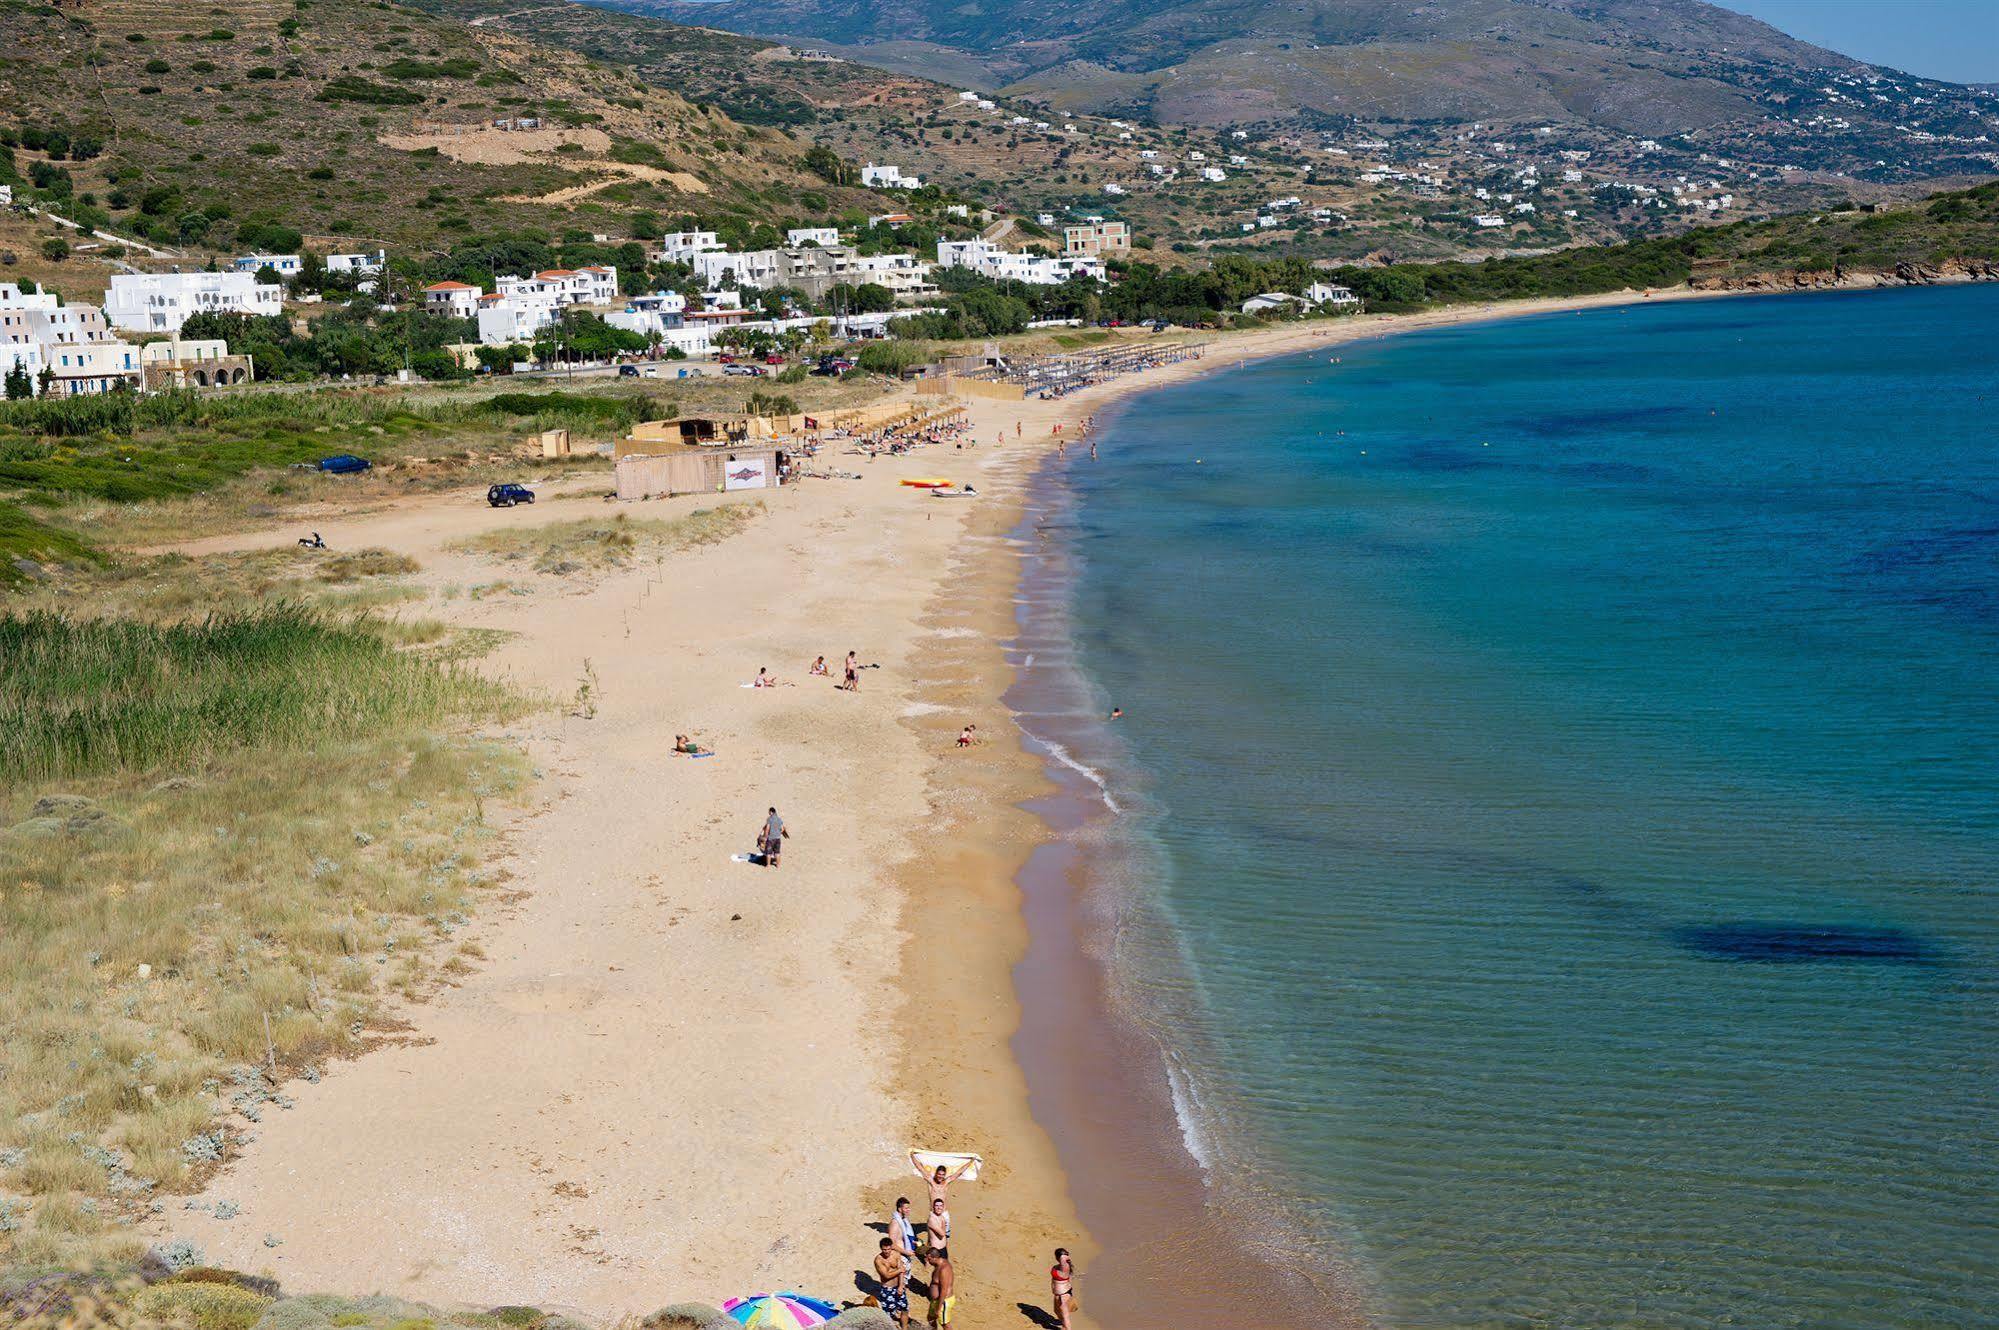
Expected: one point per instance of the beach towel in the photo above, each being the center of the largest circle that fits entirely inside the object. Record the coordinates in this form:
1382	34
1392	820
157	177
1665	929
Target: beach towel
925	1163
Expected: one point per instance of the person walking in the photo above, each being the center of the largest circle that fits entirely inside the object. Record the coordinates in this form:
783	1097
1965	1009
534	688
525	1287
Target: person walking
892	1282
1062	1287
852	683
774	835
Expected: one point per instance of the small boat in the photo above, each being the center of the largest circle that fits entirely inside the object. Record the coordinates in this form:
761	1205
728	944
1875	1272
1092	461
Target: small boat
954	492
929	484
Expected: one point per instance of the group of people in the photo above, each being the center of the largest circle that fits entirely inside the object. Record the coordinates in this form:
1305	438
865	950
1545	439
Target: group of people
906	1245
896	440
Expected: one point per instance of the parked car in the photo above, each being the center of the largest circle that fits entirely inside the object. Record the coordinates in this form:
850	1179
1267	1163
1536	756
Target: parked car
344	464
774	358
745	371
833	366
726	358
628	371
506	496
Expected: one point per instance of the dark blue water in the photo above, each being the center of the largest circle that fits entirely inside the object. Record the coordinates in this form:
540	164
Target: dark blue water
1566	759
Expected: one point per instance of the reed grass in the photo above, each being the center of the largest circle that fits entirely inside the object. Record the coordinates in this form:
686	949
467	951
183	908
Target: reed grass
280	816
80	697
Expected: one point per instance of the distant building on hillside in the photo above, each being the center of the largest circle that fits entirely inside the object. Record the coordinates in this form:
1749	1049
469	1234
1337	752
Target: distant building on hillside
812	235
361	265
888	177
284	265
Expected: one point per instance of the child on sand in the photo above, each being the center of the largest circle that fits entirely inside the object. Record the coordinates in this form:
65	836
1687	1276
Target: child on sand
685	744
967	737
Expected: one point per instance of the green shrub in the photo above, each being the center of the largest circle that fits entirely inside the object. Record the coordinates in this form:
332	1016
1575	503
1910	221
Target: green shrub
201	1306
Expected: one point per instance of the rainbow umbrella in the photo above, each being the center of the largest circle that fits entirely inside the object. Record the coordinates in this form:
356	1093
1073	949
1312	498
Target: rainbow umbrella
779	1311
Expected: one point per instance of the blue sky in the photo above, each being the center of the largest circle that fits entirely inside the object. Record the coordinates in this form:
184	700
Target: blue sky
1945	39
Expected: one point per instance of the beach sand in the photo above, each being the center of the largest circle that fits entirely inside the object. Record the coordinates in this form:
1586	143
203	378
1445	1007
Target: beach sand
678	1076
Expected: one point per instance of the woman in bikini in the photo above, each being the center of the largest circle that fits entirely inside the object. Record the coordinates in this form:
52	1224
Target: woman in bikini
1062	1286
818	667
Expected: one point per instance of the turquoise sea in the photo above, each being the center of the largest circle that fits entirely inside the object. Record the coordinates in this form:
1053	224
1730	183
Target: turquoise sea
1559	804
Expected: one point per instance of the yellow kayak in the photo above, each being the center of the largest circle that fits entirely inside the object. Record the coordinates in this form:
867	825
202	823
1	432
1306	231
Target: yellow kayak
931	484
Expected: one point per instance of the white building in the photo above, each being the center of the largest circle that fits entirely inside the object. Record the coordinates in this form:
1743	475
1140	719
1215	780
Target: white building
505	319
1214	175
1487	220
823	236
661	318
6	196
984	257
361	265
905	275
1325	293
681	246
162	302
563	286
87	368
453	299
284	265
888	177
755	267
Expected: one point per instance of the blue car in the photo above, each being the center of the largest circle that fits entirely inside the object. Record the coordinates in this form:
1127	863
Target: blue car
344	464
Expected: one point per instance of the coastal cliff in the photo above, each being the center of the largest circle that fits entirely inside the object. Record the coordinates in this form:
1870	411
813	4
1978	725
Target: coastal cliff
1906	273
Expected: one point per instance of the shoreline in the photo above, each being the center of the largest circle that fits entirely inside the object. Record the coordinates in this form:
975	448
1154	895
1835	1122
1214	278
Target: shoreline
1066	1035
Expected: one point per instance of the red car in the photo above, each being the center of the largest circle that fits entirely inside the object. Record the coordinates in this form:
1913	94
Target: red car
774	358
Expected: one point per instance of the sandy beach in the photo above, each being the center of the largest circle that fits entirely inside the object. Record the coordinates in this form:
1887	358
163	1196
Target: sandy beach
680	1076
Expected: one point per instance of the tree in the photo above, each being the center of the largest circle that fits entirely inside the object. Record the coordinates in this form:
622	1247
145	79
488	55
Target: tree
55	249
830	166
20	384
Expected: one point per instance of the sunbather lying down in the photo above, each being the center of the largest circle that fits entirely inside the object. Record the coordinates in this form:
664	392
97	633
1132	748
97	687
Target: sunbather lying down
684	744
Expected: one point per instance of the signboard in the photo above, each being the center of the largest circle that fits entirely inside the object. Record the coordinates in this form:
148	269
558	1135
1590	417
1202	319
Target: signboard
750	473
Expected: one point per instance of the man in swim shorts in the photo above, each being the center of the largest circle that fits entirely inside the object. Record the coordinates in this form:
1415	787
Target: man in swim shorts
892	1282
943	1289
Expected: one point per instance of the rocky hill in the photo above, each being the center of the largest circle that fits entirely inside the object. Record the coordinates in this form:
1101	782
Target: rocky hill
1652	68
354	123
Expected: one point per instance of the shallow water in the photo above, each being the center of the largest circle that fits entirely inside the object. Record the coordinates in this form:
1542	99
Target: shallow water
1560	804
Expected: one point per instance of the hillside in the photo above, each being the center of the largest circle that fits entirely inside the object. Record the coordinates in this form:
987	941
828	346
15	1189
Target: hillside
1643	67
353	123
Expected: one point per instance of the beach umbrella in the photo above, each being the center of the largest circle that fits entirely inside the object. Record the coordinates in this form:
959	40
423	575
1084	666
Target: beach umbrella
779	1311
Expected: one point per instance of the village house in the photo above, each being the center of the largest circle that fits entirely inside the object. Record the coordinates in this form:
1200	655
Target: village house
360	265
984	257
660	318
284	265
455	300
1096	239
507	319
681	246
812	235
888	177
202	363
162	302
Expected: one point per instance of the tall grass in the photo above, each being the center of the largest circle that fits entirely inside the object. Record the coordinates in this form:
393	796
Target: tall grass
271	812
79	697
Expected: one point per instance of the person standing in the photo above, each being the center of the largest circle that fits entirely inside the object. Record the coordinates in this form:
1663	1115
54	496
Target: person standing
938	1230
1062	1287
853	680
943	1290
892	1281
902	1230
773	838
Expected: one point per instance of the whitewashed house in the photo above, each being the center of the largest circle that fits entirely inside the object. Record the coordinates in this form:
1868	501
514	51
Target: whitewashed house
162	302
284	265
888	177
360	265
681	246
823	236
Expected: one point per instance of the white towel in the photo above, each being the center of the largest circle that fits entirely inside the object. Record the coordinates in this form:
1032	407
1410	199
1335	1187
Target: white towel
925	1163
